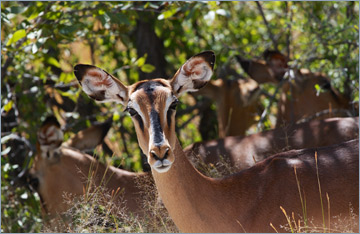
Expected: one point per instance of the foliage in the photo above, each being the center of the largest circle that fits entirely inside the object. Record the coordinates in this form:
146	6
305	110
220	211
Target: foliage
42	41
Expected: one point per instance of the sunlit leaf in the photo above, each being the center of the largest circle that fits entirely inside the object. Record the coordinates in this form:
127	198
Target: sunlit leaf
16	36
53	61
116	116
24	195
141	61
8	106
167	14
6	151
147	68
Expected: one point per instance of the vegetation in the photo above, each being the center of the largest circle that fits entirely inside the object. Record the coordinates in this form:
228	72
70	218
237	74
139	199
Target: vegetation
42	41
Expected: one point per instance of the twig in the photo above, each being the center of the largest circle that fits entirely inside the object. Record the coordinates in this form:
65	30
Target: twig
263	115
187	122
32	149
122	134
288	26
200	105
267	25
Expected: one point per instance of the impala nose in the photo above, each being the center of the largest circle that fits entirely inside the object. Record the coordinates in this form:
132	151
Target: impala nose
160	152
159	158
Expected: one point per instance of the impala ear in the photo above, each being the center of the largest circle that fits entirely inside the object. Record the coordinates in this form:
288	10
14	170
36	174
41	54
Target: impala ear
277	62
100	85
89	138
50	133
194	73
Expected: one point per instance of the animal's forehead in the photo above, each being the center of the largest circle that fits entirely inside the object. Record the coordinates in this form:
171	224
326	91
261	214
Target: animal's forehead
150	85
151	89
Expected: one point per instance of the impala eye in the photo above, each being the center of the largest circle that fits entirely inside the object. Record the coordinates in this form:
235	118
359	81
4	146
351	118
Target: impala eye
131	111
174	104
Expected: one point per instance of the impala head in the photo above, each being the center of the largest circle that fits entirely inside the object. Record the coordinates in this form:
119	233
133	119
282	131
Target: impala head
151	103
49	137
271	69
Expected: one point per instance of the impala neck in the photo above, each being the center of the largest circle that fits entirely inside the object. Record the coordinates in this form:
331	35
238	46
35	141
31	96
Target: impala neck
193	199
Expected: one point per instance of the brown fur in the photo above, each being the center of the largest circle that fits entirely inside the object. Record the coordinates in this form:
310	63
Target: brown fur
298	98
236	102
249	200
253	197
69	171
242	152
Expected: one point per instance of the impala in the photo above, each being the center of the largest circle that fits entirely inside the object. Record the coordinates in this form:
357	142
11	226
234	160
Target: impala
236	103
85	140
246	201
243	152
299	98
58	170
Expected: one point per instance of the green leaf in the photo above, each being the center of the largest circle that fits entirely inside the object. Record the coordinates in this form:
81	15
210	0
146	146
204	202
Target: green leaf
53	61
16	36
66	77
17	9
116	116
147	68
167	14
141	61
8	106
318	89
118	18
69	29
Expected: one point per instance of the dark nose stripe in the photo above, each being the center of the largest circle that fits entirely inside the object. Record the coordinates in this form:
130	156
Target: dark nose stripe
156	126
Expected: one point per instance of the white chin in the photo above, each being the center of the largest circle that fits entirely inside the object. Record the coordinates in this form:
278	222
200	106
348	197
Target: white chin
162	167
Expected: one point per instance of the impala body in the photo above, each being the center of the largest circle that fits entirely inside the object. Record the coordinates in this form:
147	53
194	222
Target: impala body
243	152
236	103
246	201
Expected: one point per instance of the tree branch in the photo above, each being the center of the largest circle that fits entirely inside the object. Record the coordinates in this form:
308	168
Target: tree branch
9	60
267	25
263	115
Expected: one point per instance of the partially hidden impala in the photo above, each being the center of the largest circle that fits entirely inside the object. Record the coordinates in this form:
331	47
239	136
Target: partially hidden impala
237	104
299	97
61	169
241	152
244	202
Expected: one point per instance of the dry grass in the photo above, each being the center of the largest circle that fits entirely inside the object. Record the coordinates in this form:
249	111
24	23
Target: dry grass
220	169
101	211
336	224
97	211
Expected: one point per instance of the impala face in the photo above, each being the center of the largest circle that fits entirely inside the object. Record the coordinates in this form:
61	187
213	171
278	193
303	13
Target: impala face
50	137
151	103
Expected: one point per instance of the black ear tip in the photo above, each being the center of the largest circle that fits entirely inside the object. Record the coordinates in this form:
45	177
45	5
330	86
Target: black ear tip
80	70
244	63
51	120
268	54
209	57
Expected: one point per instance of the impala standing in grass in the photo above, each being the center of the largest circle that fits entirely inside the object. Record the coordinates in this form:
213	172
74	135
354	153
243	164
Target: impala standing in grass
244	202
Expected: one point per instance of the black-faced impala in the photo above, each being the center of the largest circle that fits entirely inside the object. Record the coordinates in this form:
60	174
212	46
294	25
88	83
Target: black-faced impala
247	201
